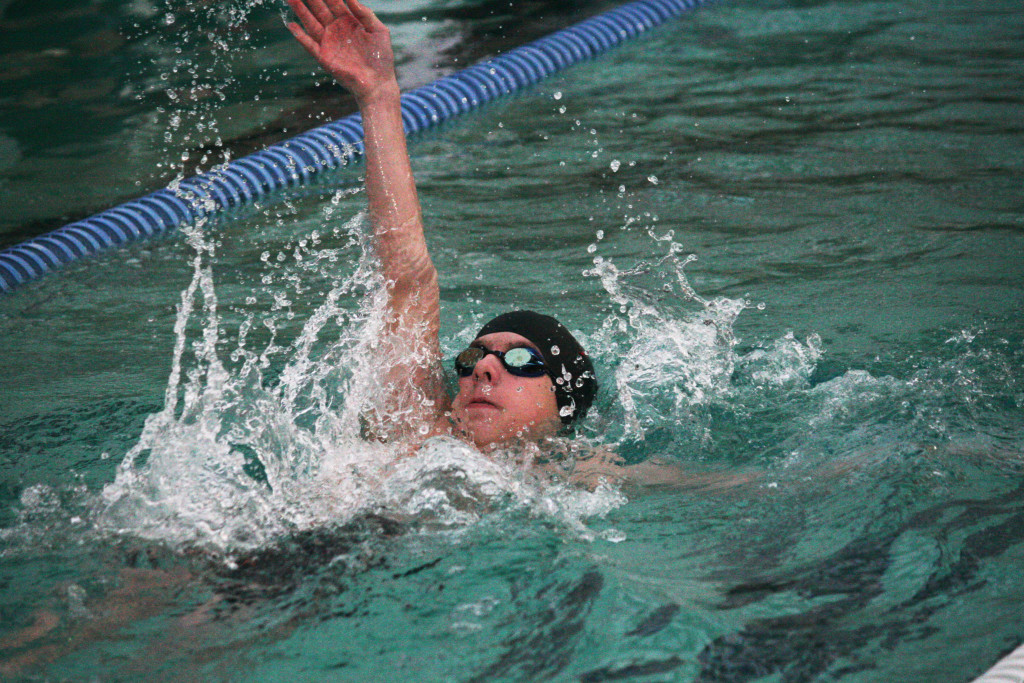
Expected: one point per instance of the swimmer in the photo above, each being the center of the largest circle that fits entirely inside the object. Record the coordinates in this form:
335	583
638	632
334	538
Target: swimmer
525	378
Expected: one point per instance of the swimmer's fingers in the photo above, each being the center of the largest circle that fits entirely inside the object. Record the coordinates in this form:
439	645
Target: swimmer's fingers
313	27
300	35
364	15
43	622
356	50
321	11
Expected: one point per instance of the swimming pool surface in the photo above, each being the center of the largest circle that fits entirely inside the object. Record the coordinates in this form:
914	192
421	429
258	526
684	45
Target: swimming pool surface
840	371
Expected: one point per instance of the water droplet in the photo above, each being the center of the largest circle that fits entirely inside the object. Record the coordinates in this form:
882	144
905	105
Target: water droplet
613	536
615	165
555	350
652	179
558	95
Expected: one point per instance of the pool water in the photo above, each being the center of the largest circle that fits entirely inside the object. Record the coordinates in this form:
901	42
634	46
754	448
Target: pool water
789	233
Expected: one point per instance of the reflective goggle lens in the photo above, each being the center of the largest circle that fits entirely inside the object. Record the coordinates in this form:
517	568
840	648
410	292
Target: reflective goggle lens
520	361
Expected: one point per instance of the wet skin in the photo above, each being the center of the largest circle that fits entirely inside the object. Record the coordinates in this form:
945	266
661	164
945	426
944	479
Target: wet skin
495	407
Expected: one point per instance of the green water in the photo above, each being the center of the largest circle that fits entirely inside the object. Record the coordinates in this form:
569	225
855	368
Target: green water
850	371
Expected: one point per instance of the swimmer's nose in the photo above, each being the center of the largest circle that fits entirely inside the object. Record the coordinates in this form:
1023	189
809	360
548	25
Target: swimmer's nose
487	368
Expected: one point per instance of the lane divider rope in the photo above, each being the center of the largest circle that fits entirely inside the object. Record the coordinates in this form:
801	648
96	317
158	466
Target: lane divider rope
298	160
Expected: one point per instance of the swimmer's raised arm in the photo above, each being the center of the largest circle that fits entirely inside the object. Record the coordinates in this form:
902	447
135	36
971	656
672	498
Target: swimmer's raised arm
352	44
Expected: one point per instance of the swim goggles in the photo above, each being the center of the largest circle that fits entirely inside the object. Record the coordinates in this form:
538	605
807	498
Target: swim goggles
521	361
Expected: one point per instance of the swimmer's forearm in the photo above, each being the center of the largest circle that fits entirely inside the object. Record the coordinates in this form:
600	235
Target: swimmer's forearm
391	190
352	44
414	325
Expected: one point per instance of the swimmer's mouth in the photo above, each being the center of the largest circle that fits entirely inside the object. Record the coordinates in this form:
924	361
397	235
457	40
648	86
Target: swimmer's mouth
481	402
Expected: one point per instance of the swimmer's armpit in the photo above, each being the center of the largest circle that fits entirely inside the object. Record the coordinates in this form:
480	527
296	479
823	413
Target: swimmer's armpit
596	467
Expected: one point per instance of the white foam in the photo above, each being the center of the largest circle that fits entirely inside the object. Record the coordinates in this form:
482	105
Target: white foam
236	458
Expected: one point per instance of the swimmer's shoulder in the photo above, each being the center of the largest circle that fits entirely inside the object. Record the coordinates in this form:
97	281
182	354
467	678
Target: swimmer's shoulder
376	432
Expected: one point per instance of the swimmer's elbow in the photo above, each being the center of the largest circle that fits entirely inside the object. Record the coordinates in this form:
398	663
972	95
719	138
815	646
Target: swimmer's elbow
415	283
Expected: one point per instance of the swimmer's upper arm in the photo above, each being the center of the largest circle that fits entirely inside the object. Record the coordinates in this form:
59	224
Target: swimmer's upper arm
412	394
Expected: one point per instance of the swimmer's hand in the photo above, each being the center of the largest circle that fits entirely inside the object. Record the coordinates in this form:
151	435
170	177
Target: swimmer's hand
349	41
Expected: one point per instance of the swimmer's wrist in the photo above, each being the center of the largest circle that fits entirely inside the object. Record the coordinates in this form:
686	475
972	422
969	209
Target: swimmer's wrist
386	93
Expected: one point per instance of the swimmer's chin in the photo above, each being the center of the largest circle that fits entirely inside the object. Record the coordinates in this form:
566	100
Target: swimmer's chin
464	431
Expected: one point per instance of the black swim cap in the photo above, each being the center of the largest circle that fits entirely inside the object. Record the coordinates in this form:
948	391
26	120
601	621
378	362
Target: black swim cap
568	364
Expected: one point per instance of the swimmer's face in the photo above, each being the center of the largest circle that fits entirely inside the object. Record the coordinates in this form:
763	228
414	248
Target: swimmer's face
494	407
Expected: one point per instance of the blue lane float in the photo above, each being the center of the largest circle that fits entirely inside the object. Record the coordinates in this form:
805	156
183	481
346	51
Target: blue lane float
300	159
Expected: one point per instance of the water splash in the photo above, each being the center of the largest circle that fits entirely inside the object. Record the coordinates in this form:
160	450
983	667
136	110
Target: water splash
231	460
45	517
254	443
451	483
678	350
192	57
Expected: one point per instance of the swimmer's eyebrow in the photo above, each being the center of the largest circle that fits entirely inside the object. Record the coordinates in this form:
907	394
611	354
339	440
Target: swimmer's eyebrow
513	345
